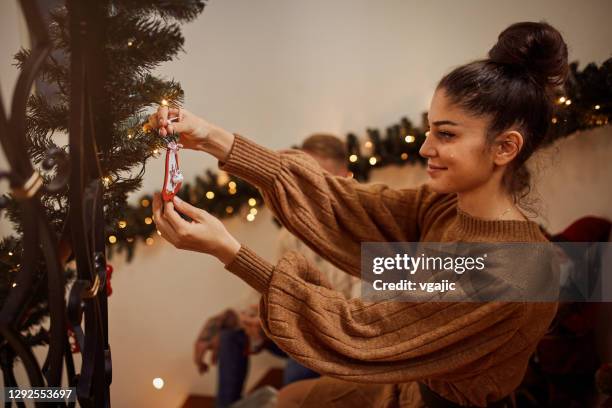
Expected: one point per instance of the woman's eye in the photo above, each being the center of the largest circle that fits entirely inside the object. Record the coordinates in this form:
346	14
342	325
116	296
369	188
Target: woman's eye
446	135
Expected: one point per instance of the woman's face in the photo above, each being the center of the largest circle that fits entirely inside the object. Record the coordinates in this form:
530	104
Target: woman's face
458	158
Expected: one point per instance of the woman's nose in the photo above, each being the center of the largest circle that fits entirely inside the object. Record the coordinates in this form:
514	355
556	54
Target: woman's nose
428	148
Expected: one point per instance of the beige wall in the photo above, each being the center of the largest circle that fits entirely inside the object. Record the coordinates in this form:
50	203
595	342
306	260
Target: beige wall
279	70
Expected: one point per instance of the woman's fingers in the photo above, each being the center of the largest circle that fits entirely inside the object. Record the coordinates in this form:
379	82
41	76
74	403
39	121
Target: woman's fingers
189	210
179	225
163	227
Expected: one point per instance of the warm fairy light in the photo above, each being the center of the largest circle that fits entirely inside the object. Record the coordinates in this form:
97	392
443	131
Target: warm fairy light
122	224
130	239
129	135
368	144
232	185
210	195
159	233
353	158
130	43
562	99
252	202
253	211
156	151
568	102
148	220
372	160
145	203
10	253
232	191
158	383
554	120
250	217
409	139
149	241
14	284
404	156
106	181
112	239
597	107
229	209
164	102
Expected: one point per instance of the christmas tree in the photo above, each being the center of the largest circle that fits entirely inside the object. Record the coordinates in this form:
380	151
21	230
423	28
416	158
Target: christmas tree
139	35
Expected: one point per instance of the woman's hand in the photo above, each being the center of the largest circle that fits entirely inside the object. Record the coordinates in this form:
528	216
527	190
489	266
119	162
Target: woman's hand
204	233
194	132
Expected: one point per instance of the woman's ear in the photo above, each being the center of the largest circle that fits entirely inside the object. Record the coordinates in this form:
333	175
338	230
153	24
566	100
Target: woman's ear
507	147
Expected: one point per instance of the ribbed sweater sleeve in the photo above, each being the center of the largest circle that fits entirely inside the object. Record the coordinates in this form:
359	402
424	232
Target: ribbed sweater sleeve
331	214
387	342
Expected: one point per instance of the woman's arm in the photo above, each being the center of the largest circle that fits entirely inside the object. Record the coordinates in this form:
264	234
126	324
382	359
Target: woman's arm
390	342
332	215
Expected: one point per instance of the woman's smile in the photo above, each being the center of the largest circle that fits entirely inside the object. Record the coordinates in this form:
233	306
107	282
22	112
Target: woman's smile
434	169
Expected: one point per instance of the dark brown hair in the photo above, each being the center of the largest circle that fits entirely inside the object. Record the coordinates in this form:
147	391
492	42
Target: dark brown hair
514	87
325	145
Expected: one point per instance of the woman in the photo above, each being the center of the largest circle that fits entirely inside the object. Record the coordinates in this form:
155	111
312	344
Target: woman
486	119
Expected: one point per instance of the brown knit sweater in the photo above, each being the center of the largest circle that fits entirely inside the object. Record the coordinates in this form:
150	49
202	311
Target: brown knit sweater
372	353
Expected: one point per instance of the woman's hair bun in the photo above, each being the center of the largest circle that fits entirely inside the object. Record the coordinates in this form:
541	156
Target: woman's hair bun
536	47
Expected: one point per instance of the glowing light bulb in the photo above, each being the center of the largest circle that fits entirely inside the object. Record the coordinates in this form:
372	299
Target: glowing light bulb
158	383
112	239
568	102
149	241
562	99
164	102
404	156
253	211
229	209
122	224
368	144
250	217
231	185
210	195
252	202
409	139
148	220
597	107
353	158
372	160
145	203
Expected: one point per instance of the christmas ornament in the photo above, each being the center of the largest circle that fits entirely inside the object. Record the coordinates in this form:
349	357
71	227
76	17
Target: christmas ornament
109	274
173	178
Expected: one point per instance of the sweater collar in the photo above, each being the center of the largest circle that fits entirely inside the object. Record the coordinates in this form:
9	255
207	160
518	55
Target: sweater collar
469	226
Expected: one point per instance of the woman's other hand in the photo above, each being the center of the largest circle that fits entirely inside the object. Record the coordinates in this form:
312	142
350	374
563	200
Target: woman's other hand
204	233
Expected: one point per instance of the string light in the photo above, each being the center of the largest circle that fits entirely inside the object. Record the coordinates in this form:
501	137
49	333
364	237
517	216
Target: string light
597	107
122	224
148	220
253	211
562	99
554	120
130	239
112	239
158	383
404	156
14	284
159	233
368	144
130	43
106	181
232	185
252	202
156	152
210	195
568	102
409	139
10	253
129	135
372	160
229	209
250	217
145	203
164	102
149	241
232	191
353	158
